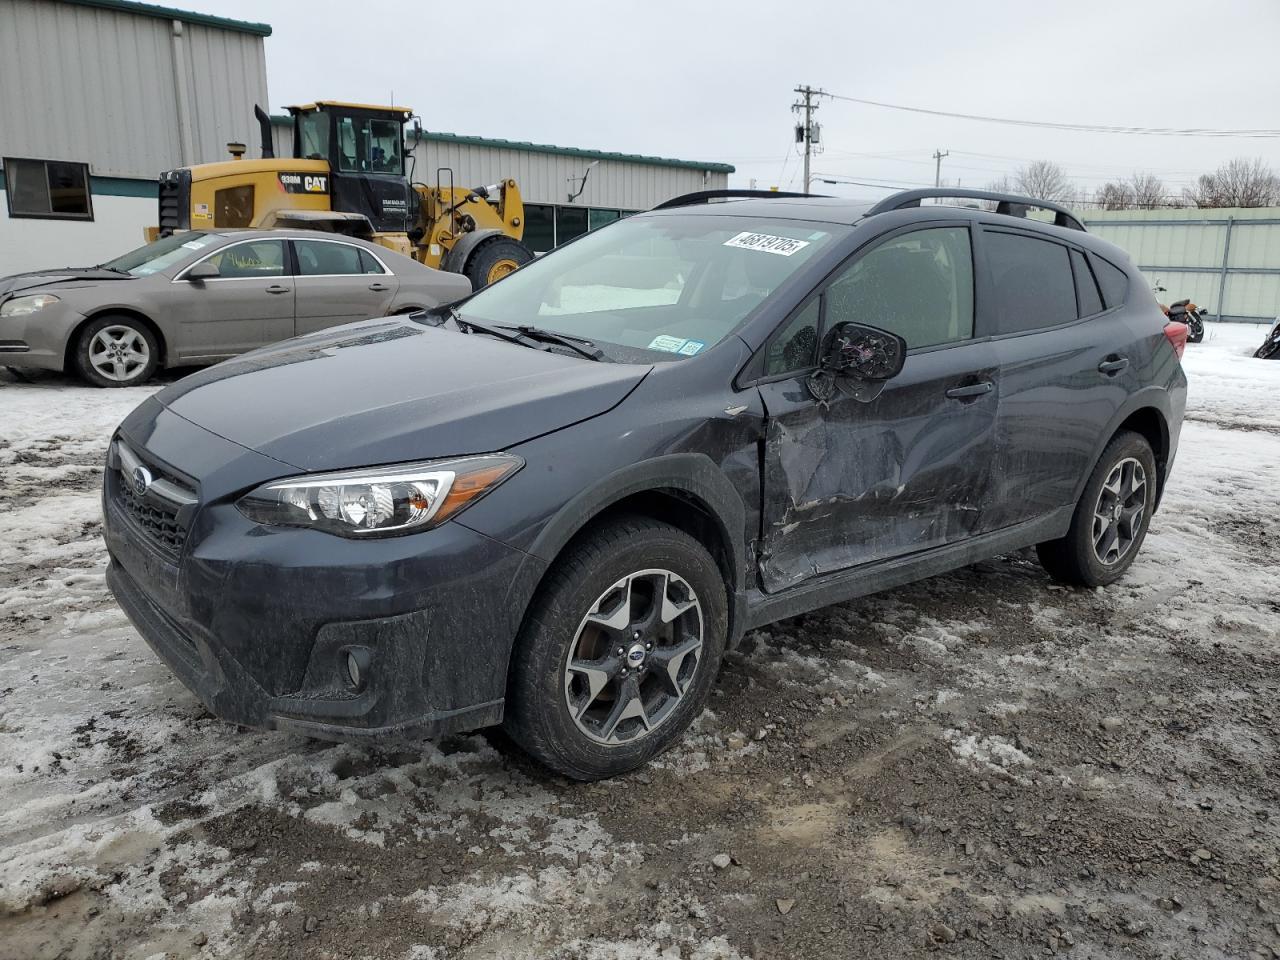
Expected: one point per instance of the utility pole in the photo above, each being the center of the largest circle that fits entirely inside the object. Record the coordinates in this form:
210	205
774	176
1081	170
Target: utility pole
937	174
807	130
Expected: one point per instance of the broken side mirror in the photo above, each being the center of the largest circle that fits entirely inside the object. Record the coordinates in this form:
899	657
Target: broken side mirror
857	360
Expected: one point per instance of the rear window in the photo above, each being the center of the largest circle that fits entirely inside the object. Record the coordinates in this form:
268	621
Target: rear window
1114	281
1034	287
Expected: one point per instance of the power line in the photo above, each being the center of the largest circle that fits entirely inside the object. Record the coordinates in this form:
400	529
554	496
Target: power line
1075	127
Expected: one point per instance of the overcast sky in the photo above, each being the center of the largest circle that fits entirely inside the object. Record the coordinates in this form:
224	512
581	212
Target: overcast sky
713	81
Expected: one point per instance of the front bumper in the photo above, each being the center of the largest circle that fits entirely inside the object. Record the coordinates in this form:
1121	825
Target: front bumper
257	621
38	340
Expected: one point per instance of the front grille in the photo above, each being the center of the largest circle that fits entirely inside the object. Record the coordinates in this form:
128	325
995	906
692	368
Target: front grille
175	201
156	519
158	501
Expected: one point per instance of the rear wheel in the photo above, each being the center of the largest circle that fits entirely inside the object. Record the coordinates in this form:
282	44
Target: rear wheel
1195	328
116	351
1111	519
494	259
619	652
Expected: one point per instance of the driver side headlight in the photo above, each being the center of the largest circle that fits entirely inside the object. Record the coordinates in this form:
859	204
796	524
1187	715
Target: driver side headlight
379	501
23	306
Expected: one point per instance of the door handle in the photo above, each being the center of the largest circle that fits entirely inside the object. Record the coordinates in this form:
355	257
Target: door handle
378	286
1113	365
278	288
971	391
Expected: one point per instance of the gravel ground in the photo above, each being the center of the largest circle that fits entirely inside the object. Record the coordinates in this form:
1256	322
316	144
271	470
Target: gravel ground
980	765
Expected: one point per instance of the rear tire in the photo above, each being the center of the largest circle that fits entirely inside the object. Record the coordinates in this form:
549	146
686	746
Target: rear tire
116	350
1195	331
495	259
1111	520
619	650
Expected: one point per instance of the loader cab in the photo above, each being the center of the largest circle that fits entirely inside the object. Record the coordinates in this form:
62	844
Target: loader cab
364	146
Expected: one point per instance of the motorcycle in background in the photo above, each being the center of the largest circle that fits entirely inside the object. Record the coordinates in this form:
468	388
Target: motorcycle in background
1270	349
1184	311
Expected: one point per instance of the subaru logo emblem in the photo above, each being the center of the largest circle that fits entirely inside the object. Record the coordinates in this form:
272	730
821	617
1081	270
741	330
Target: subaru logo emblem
141	480
636	654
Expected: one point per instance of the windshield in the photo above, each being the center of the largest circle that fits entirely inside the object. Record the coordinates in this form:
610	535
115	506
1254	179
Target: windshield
669	284
165	252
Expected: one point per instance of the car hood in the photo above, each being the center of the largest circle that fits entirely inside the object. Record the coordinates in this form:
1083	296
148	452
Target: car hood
391	390
20	283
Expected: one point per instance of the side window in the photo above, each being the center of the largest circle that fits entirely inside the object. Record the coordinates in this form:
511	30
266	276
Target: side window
1086	287
368	263
918	285
1032	282
233	206
1113	280
257	258
795	346
319	258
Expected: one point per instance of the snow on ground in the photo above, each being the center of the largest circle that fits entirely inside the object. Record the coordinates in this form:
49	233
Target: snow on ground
985	761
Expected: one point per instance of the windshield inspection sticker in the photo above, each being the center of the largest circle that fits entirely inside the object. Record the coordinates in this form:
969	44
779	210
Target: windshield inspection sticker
678	345
782	246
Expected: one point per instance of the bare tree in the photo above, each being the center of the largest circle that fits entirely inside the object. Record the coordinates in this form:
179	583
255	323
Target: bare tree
1114	195
1044	180
1237	183
1147	191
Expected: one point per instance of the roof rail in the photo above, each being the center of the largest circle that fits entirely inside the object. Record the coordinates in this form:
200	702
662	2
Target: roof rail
1011	205
702	196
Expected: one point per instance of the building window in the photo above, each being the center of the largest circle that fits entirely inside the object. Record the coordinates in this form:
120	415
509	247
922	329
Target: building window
570	222
598	218
539	227
48	189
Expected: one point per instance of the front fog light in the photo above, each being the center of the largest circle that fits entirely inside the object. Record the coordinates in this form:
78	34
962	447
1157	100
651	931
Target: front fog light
379	501
356	662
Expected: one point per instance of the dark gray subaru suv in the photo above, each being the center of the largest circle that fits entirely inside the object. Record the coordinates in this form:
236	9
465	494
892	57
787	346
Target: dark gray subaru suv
554	505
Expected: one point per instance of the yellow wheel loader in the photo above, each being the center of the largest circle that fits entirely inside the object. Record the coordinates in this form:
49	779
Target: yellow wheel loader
347	175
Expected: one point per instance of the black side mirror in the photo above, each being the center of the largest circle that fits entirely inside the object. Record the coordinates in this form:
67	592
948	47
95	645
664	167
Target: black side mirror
857	360
207	270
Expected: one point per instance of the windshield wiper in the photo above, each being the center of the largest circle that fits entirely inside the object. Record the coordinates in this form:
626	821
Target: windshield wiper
588	349
471	326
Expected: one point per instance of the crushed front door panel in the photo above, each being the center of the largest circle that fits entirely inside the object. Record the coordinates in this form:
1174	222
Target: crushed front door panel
852	482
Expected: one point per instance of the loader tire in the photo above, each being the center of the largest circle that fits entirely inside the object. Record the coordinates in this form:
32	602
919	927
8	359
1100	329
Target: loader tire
494	259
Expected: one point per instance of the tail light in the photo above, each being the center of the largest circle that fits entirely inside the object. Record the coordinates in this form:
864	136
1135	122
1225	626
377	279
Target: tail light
1177	334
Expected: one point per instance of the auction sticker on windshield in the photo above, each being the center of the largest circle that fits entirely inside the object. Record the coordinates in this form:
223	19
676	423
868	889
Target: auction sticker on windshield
679	345
766	243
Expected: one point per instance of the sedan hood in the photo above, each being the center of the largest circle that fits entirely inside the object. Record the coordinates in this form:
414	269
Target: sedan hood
20	283
384	391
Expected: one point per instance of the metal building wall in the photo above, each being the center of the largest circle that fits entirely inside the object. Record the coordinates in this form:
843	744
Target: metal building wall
1226	260
112	88
543	176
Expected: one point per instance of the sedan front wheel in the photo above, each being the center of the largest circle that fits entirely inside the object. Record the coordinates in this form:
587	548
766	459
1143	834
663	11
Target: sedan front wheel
116	351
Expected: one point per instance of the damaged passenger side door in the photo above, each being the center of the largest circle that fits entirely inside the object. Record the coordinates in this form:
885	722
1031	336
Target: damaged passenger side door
867	473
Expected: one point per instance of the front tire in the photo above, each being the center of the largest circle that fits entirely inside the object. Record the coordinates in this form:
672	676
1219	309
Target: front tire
1111	520
619	650
494	259
116	351
1195	330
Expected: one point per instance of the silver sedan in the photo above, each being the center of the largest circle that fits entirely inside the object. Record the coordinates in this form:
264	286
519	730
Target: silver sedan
200	297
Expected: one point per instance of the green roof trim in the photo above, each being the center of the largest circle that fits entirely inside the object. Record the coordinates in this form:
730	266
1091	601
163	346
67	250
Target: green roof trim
169	13
496	144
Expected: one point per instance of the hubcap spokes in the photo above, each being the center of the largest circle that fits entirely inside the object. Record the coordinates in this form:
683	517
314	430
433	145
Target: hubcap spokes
118	352
1121	508
634	656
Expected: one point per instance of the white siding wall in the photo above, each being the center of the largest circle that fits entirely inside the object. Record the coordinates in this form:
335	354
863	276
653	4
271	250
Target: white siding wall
117	228
1183	249
102	87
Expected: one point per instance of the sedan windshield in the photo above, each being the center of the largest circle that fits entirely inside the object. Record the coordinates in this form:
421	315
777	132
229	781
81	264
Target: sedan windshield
669	284
165	252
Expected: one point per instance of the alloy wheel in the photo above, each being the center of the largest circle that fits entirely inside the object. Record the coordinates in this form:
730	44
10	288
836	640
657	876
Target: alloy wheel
119	352
1121	508
634	656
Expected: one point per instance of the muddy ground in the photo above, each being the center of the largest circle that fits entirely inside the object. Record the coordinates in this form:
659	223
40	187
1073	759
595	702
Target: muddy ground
981	765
